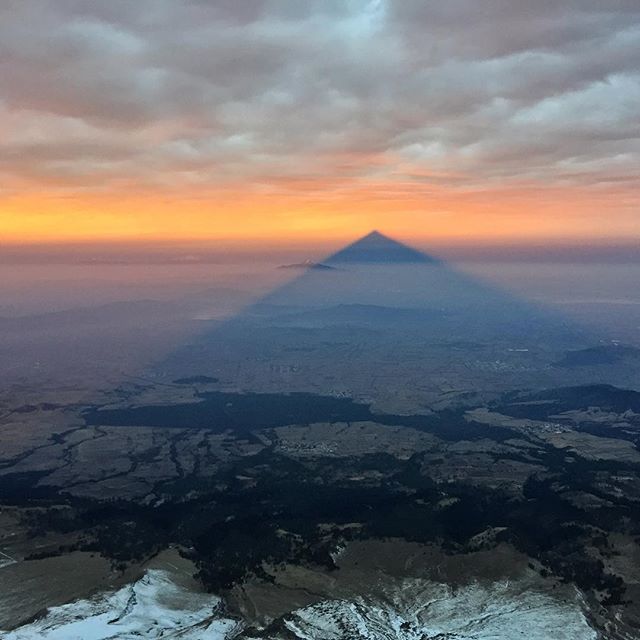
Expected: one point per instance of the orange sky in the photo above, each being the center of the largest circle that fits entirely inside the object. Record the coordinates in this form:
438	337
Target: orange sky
296	121
514	214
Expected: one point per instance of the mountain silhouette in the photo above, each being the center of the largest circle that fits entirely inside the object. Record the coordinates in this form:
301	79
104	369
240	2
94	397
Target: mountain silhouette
375	247
307	264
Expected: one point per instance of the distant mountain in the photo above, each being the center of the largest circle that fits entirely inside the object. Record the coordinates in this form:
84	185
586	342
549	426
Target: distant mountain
600	355
378	248
307	264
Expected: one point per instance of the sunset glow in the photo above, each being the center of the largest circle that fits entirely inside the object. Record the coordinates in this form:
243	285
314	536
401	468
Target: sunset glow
285	121
510	214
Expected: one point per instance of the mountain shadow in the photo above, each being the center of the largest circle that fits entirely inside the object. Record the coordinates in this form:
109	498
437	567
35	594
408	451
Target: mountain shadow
389	321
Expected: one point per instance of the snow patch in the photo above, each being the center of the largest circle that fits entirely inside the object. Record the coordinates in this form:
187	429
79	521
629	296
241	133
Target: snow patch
409	609
152	607
421	609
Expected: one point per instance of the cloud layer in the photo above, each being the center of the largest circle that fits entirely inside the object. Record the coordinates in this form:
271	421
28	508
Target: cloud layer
286	95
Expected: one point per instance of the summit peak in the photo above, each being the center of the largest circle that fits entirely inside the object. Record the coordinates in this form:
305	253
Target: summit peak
375	247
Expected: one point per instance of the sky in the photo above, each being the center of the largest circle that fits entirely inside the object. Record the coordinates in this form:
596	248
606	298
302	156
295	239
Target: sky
245	120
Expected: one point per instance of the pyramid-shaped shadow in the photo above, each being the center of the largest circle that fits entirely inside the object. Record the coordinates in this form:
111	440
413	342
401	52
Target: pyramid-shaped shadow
382	320
394	280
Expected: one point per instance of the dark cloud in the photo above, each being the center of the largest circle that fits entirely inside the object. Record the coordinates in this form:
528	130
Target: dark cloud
225	90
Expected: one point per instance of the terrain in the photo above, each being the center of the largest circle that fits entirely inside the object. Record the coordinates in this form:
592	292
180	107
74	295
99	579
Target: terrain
386	449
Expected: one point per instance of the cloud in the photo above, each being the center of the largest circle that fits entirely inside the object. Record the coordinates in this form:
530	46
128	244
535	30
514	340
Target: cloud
168	93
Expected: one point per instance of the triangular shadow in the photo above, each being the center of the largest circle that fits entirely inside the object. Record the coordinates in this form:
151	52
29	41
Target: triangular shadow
385	314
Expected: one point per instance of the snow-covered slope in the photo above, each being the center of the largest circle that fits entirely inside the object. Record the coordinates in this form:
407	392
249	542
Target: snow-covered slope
410	609
152	607
423	609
